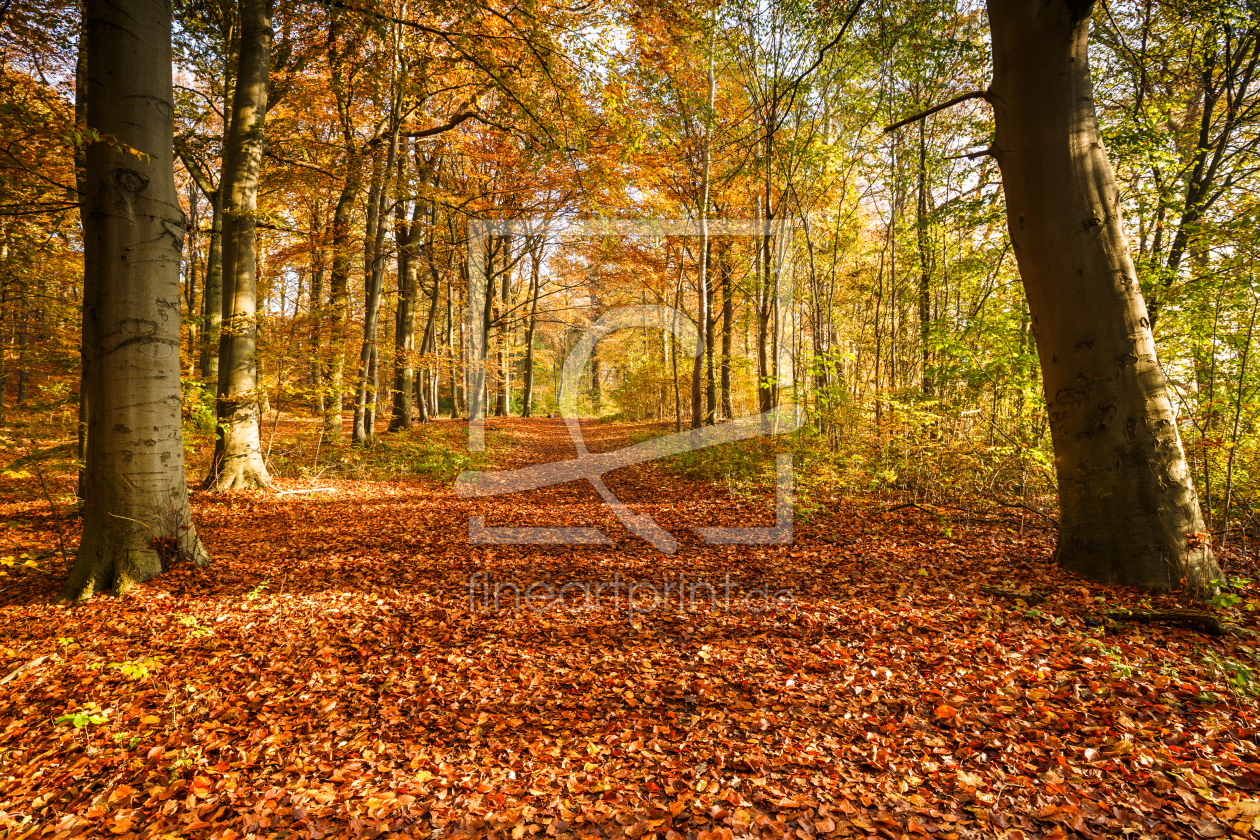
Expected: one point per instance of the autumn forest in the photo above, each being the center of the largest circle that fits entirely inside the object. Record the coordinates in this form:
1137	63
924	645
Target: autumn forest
629	418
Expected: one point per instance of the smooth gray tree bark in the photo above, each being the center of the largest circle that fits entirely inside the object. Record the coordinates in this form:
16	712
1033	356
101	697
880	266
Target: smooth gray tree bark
374	274
136	515
238	460
408	239
339	299
1128	511
535	279
212	293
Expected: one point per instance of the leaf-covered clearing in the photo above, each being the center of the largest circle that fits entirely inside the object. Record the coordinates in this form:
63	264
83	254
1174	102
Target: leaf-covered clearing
329	676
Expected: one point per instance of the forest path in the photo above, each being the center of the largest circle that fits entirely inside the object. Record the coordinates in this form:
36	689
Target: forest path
330	675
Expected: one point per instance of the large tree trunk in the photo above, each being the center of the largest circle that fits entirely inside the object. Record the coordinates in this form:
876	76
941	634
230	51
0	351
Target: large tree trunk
136	513
80	182
1128	509
238	460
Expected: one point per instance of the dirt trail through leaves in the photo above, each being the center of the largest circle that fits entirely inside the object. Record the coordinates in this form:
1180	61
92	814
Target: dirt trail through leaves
330	676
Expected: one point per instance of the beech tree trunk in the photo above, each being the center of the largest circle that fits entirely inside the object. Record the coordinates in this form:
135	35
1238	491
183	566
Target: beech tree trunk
238	460
704	317
408	238
1128	511
427	374
339	298
374	273
212	296
527	393
728	313
80	183
136	514
925	266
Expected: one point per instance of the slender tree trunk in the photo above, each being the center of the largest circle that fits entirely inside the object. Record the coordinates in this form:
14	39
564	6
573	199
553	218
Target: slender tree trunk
6	253
369	413
375	271
212	299
767	381
477	401
728	313
925	267
710	329
452	354
190	295
238	460
5	315
428	344
704	318
503	402
212	295
317	321
596	391
527	397
339	298
1128	512
136	513
405	320
1233	440
23	339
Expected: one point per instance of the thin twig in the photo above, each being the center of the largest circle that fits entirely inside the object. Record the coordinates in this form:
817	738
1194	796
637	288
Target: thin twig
1029	509
56	518
986	152
34	663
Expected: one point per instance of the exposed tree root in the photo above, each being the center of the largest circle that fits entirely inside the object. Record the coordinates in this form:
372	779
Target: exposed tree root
1197	619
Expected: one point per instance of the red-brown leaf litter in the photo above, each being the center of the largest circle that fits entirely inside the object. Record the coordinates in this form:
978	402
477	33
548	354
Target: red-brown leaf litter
330	676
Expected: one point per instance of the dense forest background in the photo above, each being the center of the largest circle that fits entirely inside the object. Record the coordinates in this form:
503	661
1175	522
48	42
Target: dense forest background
389	127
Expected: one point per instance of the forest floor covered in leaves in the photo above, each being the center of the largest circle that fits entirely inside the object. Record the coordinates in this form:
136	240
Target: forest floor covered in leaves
329	675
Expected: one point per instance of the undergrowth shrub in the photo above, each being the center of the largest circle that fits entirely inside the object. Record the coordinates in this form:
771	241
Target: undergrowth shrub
432	450
923	452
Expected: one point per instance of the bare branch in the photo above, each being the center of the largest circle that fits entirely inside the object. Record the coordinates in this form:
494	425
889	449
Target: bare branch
975	94
988	152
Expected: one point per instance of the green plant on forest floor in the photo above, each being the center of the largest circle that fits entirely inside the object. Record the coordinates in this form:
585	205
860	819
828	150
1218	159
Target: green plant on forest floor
1240	678
1229	593
433	450
80	718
